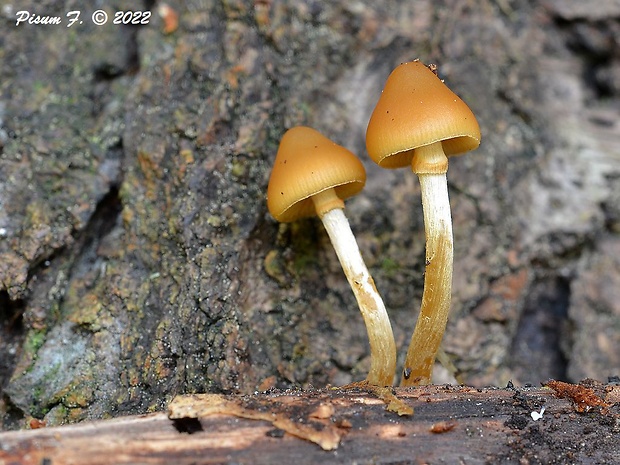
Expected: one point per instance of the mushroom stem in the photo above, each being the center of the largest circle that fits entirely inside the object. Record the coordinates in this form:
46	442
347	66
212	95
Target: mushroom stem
431	164
380	336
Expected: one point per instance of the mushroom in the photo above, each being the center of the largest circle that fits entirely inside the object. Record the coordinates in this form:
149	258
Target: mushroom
312	176
419	121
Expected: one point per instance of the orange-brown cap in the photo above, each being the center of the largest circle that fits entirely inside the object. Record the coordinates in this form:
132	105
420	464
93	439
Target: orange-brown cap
306	164
415	109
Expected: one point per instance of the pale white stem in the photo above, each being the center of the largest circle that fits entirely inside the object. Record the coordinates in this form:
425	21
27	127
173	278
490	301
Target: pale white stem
431	324
380	336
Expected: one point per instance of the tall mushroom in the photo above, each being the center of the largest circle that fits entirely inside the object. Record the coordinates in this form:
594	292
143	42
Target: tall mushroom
419	121
312	176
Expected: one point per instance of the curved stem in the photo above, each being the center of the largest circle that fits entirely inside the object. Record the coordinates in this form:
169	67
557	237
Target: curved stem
435	307
380	336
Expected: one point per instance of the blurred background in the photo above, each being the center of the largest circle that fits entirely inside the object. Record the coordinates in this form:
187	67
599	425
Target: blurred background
137	256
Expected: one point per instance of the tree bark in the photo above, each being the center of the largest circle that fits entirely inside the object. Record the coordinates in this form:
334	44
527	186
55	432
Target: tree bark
137	257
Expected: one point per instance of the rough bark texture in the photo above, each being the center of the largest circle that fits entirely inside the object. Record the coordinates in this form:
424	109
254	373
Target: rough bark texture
137	257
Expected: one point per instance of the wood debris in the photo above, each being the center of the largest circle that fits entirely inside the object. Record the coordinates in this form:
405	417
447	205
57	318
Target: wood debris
583	398
442	427
386	394
284	412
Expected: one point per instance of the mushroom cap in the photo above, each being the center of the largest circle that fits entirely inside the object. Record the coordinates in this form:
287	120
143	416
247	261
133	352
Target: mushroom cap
308	163
415	109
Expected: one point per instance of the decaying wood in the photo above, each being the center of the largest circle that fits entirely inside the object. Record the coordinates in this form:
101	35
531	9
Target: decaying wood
450	425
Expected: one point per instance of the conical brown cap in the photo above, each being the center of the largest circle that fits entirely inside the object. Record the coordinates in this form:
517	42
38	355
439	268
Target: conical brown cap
415	109
308	163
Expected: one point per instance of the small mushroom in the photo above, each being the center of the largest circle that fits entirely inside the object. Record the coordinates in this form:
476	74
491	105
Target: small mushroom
312	176
420	122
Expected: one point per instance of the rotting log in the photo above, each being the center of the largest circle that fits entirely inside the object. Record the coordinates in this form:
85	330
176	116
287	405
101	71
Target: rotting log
451	424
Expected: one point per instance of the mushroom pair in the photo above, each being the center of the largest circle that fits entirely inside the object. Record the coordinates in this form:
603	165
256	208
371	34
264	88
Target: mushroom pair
418	121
